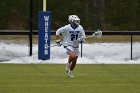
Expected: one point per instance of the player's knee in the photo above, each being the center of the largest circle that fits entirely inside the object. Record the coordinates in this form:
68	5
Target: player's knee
72	55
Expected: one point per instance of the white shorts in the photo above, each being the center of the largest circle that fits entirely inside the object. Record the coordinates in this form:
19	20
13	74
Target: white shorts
70	48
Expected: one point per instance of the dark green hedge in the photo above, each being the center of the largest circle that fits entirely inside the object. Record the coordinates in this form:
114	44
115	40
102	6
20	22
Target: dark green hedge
118	14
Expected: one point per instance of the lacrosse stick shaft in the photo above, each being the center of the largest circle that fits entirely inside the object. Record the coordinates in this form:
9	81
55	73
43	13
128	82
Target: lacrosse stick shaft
51	46
89	36
98	32
95	34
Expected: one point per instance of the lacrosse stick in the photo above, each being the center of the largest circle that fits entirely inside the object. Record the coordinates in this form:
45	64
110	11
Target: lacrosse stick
46	47
98	33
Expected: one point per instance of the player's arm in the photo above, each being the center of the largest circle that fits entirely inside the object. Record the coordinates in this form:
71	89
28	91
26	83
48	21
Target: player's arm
58	40
58	37
82	36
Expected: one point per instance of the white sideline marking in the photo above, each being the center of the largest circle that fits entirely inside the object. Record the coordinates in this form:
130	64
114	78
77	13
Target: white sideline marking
37	85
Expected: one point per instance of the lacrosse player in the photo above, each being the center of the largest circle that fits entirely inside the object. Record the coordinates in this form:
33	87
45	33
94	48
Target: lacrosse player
73	34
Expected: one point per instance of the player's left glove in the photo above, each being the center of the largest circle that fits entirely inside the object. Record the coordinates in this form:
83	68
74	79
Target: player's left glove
58	42
80	40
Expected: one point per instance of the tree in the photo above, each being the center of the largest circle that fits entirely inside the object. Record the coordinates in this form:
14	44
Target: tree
98	9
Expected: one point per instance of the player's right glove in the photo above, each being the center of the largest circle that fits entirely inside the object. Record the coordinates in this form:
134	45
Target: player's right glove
58	42
80	40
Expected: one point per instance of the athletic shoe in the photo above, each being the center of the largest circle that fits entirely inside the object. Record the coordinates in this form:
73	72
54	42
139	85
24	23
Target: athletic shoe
67	67
70	74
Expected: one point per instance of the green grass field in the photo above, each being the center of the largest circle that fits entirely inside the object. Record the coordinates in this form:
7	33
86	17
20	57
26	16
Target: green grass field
51	78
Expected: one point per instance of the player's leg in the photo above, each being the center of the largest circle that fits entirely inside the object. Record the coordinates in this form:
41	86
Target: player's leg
68	64
72	59
68	49
72	62
73	55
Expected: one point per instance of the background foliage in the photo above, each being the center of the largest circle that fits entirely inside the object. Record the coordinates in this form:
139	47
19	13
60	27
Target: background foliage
103	14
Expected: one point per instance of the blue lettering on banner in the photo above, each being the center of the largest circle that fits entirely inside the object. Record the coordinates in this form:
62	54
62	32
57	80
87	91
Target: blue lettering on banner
44	35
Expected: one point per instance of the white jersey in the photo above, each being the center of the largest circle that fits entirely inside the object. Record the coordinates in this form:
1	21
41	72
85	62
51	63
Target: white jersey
71	35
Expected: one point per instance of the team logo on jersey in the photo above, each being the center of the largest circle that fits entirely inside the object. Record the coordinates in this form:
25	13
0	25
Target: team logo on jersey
74	35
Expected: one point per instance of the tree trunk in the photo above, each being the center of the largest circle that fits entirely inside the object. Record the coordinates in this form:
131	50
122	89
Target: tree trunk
98	9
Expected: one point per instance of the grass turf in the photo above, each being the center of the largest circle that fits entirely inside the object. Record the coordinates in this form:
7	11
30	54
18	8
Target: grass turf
51	78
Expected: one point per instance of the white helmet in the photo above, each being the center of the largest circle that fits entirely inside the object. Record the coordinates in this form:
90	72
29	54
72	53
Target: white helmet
74	20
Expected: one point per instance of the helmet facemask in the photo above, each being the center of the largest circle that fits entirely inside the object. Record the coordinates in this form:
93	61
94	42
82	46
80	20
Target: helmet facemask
74	20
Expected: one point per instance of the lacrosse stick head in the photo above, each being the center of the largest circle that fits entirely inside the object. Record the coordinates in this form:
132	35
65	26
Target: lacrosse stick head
98	33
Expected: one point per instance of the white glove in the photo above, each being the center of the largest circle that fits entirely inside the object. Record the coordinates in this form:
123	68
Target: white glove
80	40
58	42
